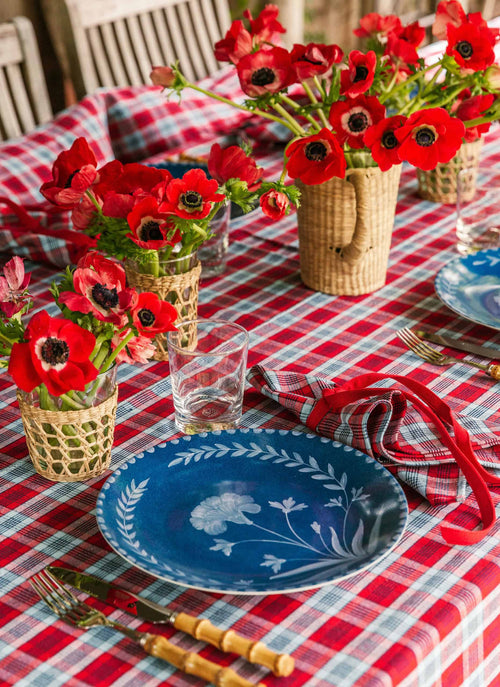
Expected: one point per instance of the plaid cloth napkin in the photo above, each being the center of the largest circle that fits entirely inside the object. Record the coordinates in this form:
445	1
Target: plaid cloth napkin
406	427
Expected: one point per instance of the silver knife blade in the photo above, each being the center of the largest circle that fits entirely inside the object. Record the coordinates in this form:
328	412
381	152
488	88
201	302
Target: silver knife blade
459	344
116	596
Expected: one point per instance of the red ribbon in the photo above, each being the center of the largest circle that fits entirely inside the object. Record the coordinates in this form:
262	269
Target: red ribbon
77	243
437	411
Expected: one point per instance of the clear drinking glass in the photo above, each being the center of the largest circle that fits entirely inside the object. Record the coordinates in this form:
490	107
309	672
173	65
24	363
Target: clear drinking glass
207	374
478	213
213	253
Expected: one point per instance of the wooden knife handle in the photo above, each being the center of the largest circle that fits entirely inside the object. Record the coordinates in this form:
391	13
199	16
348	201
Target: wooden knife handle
228	640
192	664
494	371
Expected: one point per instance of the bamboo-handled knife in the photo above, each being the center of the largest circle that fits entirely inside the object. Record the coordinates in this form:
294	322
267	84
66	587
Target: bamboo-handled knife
199	628
459	344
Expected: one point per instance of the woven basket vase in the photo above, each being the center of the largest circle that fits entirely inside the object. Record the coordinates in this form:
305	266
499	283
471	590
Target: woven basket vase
179	289
440	184
345	229
70	446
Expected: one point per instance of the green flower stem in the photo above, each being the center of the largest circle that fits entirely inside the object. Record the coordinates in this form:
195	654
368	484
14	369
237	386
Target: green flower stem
222	99
319	86
112	357
292	124
307	116
411	79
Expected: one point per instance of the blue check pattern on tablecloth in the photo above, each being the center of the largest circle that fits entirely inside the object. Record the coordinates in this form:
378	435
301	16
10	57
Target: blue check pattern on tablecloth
427	615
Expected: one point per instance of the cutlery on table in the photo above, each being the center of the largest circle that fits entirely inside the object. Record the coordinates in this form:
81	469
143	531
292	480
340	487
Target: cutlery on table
431	355
199	628
459	344
79	614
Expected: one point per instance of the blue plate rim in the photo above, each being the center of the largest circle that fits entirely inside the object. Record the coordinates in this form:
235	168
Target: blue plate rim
460	259
398	531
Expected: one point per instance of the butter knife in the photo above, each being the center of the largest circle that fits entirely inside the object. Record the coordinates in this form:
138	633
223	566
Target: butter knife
459	344
199	628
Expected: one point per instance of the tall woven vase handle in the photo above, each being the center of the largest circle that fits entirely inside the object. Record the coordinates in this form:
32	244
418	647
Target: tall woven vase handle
361	238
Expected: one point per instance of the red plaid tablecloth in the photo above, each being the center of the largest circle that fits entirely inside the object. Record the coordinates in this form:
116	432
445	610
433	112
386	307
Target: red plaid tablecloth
426	615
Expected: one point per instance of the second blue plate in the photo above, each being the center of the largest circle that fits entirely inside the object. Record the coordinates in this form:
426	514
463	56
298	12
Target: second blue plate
470	286
252	511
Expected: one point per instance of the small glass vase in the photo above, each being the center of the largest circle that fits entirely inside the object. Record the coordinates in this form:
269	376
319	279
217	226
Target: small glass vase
175	280
70	437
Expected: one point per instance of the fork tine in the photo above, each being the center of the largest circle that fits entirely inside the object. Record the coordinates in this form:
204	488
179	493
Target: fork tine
57	597
418	346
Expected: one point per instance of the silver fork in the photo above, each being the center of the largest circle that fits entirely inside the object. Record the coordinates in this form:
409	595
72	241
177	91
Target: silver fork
75	612
431	355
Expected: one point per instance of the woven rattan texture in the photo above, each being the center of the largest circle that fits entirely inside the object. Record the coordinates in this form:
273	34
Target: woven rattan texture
179	289
70	446
440	184
345	229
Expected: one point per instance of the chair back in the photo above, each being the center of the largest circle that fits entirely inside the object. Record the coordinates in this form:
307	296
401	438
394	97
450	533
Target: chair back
24	98
116	42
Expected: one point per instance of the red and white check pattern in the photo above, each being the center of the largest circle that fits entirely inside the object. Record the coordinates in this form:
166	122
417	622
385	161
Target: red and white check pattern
425	616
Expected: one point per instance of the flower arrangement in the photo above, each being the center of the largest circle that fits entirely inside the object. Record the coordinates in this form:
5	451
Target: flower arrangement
377	107
103	322
138	212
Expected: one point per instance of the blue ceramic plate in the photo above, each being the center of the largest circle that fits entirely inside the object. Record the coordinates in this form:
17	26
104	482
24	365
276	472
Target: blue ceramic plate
252	511
470	286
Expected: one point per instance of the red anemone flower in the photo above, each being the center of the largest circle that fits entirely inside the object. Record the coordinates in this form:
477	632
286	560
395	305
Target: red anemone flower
358	78
192	196
151	315
376	25
121	185
447	12
413	33
56	354
382	141
473	108
266	25
314	59
233	163
351	118
100	286
236	44
13	285
400	50
265	71
139	349
151	229
315	159
73	172
274	203
471	46
429	137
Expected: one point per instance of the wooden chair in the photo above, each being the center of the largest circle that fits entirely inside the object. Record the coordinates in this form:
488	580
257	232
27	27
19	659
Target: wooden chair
24	99
116	42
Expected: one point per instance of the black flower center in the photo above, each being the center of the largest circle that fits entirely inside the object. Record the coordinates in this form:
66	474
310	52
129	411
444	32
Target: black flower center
150	231
146	317
316	151
192	200
425	137
389	140
106	298
55	351
70	178
464	48
361	74
263	76
358	122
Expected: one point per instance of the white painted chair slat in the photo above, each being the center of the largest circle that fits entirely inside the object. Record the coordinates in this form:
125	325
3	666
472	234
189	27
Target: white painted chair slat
151	41
164	41
20	98
179	44
134	35
24	97
112	56
190	34
8	116
138	40
207	33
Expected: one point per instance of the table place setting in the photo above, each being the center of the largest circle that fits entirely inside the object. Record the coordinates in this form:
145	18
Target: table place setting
289	475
